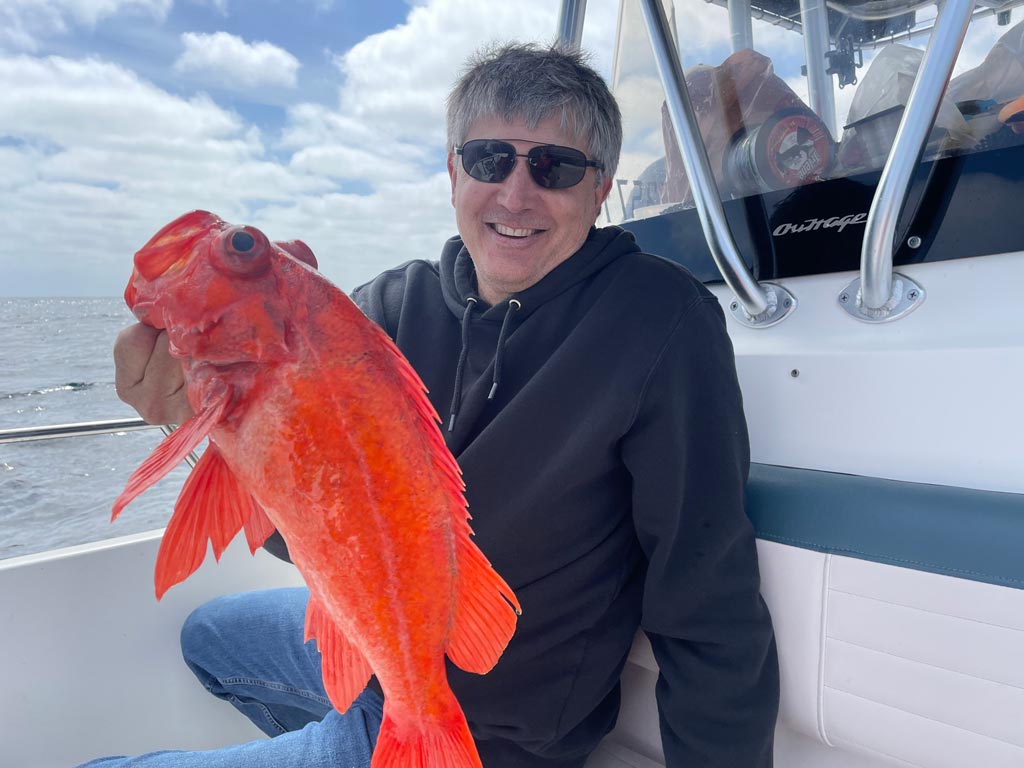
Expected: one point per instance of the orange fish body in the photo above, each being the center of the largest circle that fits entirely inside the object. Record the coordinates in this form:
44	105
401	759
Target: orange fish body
319	428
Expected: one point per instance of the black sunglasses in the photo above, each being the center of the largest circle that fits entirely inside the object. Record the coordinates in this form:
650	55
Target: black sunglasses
551	166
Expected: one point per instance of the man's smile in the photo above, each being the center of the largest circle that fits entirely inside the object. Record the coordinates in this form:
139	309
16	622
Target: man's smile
501	229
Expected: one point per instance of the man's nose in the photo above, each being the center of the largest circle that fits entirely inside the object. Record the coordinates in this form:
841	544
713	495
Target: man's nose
519	189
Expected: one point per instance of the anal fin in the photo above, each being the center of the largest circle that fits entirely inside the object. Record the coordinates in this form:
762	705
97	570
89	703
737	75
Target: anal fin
345	670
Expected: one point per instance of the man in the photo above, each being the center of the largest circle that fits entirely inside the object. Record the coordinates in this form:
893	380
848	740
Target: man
597	419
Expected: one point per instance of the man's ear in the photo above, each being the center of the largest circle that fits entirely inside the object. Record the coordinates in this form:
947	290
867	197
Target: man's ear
601	193
453	172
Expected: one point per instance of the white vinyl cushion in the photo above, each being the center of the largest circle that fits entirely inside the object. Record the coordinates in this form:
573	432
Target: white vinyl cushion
911	668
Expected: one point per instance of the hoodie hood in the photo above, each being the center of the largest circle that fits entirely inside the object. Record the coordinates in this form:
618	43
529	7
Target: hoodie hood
458	275
458	285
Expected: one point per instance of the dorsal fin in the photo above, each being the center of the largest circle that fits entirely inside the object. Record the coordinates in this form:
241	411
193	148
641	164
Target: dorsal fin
430	422
485	607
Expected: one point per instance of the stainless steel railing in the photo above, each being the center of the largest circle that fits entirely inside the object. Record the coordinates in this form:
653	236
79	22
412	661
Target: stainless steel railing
570	22
756	305
879	294
79	429
925	28
26	434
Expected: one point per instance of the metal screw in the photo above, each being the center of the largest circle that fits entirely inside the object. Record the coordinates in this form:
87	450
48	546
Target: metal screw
787	303
914	242
794	373
734	306
844	297
912	295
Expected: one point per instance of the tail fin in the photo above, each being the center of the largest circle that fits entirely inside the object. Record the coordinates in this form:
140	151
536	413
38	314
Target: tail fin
443	743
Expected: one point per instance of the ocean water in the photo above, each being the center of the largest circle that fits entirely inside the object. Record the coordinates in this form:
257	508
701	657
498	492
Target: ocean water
56	367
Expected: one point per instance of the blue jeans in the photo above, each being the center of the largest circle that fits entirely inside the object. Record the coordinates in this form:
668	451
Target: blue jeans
247	649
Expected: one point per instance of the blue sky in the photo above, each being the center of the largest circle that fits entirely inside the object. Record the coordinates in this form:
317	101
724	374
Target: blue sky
313	119
316	119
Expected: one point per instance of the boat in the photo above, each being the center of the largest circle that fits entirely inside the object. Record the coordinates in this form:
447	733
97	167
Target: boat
869	255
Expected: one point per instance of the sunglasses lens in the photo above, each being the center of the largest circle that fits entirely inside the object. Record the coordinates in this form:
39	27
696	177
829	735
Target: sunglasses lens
554	167
551	166
488	160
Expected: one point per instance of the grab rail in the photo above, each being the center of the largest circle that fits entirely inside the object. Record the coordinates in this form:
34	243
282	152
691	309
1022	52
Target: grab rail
757	305
820	91
570	22
81	428
793	25
26	434
879	294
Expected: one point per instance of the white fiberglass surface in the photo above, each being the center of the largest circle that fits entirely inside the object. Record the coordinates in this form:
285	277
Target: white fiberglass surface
91	659
932	397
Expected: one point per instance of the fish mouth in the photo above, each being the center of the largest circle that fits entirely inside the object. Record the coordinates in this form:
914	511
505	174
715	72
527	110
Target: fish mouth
218	338
206	325
195	334
145	312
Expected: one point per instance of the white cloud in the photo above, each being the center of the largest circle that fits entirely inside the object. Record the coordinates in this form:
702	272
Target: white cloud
339	146
395	80
355	237
228	61
89	101
101	157
24	22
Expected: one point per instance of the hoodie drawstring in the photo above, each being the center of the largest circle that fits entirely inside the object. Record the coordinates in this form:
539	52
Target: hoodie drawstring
513	306
499	355
463	355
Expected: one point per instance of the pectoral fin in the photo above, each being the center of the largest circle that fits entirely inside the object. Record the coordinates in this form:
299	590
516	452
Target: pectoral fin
345	670
212	507
170	453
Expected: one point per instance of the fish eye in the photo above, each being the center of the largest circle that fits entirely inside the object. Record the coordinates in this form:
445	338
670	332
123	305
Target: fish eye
242	242
245	252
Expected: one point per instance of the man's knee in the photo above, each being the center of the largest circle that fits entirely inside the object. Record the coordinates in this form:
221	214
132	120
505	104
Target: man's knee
222	633
204	631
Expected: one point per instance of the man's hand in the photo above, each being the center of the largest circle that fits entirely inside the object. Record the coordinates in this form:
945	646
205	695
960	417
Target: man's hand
148	378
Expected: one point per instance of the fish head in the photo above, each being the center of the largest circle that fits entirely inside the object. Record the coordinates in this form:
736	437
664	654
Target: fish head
221	291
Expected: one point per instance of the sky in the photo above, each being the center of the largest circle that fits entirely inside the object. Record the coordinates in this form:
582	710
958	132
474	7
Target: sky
314	119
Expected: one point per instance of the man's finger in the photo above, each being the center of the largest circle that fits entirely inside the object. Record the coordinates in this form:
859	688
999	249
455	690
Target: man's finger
132	351
148	378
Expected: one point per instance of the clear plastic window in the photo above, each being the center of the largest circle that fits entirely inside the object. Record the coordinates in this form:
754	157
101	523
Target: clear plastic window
750	91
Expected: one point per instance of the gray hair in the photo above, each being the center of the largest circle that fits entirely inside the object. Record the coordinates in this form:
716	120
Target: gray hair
527	82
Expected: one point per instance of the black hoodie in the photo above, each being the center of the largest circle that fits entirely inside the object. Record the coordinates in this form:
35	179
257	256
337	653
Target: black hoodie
605	477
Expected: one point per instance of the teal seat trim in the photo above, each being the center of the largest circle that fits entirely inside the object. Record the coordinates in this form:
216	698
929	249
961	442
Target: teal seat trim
959	532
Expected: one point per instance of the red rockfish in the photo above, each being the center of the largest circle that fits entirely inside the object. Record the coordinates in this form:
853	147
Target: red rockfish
320	428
